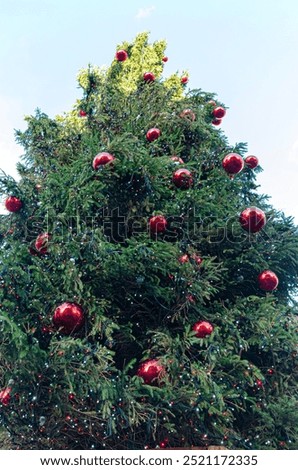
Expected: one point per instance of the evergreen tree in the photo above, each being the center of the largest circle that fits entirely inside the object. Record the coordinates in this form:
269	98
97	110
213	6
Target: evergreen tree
135	311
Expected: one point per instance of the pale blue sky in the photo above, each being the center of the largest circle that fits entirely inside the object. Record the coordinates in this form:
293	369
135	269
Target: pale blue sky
246	51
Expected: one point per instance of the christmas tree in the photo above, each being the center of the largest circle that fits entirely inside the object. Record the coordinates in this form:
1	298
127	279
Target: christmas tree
147	287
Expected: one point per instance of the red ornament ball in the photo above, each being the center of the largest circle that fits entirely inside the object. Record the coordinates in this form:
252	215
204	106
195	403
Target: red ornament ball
216	122
149	77
202	329
68	318
183	259
101	159
121	55
212	103
151	371
82	113
182	178
252	219
153	134
13	204
42	242
190	298
158	224
176	159
259	383
233	163
5	396
219	112
189	114
165	59
197	259
184	79
268	280
251	161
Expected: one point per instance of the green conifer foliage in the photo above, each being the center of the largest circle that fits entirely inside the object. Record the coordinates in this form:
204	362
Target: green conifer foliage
83	390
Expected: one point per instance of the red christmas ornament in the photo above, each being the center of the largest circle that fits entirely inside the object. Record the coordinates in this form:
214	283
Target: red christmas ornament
202	329
252	219
101	159
121	55
182	178
268	280
13	204
251	161
158	224
153	134
183	259
233	163
165	59
189	114
68	317
42	242
149	77
176	159
212	102
82	113
216	122
197	259
71	396
184	79
259	383
190	298
163	444
5	396
151	371
219	112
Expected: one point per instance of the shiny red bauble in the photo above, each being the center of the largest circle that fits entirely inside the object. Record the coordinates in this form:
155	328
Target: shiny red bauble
216	122
5	396
13	204
68	318
121	55
197	259
219	112
82	113
158	224
189	114
252	219
182	178
101	159
184	79
190	298
251	161
233	163
176	159
153	134
42	243
149	77
268	280
202	329
151	371
212	103
165	59
183	259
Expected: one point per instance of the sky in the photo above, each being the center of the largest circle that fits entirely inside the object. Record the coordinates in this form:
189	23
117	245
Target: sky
245	51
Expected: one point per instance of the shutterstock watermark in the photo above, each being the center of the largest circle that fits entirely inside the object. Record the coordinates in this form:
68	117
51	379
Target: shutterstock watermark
117	228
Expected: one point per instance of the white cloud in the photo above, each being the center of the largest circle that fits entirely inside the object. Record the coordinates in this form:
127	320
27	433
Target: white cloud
293	156
145	12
